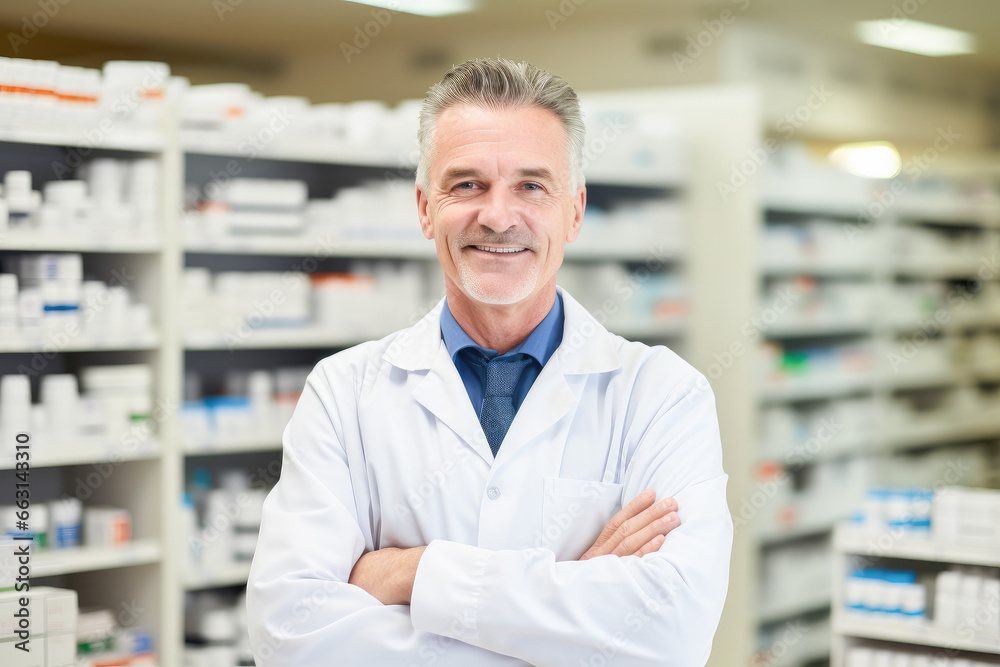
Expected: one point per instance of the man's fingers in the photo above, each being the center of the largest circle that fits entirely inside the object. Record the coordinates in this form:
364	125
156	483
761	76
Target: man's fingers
651	546
660	526
634	506
634	525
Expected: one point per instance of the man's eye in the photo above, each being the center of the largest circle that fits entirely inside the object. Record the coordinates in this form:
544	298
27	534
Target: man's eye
468	185
532	186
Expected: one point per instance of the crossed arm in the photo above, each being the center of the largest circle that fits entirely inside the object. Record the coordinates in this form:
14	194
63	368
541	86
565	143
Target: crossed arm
638	529
314	594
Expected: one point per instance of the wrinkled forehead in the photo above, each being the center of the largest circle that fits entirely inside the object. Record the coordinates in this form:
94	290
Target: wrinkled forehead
531	134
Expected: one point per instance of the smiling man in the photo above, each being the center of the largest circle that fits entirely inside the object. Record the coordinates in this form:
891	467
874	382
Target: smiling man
505	482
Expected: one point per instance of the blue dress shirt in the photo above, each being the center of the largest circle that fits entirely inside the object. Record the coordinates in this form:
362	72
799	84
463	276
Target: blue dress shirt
539	345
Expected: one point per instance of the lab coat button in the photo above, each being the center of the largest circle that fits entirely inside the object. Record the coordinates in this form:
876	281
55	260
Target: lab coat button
493	492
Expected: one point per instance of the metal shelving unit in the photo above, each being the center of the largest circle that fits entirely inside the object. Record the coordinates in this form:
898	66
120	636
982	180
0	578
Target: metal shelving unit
852	543
139	476
877	385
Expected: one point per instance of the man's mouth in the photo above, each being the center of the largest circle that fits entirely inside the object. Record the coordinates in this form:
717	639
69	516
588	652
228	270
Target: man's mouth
487	248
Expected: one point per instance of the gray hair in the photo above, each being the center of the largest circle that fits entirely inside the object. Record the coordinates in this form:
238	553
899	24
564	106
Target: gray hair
502	84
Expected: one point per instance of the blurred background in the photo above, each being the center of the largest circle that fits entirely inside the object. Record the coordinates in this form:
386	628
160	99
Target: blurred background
200	200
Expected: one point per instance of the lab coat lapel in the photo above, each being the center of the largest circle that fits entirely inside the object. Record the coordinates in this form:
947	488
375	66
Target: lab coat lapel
441	391
585	348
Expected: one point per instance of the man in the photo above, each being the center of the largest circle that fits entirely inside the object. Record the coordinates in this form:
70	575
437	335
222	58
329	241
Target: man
453	493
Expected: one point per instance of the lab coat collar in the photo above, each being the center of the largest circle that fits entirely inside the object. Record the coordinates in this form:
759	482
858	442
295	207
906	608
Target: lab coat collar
586	345
586	348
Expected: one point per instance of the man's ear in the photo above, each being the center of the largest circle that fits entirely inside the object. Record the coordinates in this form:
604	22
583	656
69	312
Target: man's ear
579	206
426	226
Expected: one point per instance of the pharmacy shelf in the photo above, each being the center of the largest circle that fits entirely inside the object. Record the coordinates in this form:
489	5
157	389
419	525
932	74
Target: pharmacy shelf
635	178
814	390
88	559
938	268
649	329
809	528
80	344
297	246
890	381
253	442
317	153
818	329
119	139
798	453
959	322
823	269
814	647
959	214
961	427
87	453
880	270
920	633
64	243
813	207
852	539
234	574
817	600
628	252
273	339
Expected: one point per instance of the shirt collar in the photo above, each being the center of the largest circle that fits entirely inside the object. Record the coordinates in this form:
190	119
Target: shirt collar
540	343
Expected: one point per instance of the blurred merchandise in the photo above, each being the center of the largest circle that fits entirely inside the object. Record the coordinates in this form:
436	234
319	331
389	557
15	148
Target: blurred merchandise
111	200
893	594
798	435
113	414
223	522
651	227
624	301
215	630
861	656
125	97
808	501
967	516
356	305
51	639
814	243
795	579
56	306
804	369
258	406
103	642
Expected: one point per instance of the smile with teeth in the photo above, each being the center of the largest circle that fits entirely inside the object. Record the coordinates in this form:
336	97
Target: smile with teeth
498	250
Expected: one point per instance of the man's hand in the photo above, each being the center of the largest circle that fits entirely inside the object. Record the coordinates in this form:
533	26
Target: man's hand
387	574
638	529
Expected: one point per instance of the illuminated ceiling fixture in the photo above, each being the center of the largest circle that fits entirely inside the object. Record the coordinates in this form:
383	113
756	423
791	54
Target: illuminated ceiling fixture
423	7
875	159
926	39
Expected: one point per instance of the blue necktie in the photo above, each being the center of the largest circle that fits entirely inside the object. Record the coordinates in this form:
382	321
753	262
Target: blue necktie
502	374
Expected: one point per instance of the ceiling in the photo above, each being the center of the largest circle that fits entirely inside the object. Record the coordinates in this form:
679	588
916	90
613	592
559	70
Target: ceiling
254	40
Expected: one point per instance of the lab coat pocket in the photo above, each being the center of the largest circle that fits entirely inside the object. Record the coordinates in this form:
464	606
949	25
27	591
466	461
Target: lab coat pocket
574	512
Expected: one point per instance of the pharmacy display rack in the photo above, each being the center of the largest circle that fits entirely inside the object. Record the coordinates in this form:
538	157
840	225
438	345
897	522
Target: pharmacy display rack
152	574
854	547
138	579
865	309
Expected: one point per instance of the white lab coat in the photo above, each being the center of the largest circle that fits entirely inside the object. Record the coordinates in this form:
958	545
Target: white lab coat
384	449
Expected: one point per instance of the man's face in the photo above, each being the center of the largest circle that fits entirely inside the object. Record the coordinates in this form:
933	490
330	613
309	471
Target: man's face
498	203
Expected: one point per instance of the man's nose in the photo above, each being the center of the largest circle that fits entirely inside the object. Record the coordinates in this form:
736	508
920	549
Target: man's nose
499	210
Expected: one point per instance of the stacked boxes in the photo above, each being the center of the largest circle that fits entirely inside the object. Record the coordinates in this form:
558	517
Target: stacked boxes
43	621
